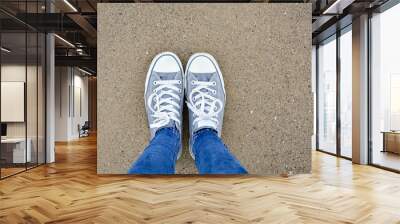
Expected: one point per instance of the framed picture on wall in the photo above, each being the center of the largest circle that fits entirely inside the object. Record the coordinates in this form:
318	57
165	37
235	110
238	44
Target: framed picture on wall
12	101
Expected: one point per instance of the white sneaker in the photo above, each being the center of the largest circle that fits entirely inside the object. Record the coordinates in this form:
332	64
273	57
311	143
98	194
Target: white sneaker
163	93
205	94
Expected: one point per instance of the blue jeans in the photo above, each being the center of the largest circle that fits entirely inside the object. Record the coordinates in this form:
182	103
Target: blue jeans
212	156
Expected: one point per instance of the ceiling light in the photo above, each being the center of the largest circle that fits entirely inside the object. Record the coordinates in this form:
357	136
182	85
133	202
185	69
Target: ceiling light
65	41
84	71
338	6
79	51
70	5
5	50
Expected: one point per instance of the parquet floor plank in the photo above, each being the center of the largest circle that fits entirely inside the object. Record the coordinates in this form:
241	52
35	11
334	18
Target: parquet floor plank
70	191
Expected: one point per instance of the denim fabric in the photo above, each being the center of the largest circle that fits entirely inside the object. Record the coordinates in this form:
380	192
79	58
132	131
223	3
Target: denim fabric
212	156
159	157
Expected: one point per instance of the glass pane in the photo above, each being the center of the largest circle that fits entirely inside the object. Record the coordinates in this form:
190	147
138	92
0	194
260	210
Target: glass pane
327	96
31	100
13	88
41	98
346	93
314	77
386	89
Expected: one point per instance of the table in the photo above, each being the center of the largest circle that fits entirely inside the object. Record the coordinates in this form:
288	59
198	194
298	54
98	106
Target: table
18	149
391	141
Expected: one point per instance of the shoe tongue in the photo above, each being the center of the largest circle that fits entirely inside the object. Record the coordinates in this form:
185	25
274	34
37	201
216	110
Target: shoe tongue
166	76
171	124
204	77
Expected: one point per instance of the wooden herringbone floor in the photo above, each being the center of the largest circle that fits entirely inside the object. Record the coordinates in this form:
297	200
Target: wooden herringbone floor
69	191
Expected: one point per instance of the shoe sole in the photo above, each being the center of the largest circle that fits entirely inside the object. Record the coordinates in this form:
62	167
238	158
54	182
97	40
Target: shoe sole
153	62
209	56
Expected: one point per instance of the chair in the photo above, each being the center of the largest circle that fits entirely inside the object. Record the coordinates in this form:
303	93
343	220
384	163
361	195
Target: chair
84	130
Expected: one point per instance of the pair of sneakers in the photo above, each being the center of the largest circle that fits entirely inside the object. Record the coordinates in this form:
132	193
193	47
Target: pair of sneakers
167	85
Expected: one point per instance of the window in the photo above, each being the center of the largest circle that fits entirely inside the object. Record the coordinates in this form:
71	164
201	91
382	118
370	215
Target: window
346	92
385	89
334	137
327	95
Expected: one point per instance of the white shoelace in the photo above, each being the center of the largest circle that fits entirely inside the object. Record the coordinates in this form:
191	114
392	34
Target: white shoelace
204	106
164	109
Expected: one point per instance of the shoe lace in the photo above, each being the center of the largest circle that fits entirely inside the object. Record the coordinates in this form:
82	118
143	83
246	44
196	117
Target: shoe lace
164	109
204	106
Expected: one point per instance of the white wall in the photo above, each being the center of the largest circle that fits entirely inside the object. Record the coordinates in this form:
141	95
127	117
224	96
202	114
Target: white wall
62	82
70	83
80	84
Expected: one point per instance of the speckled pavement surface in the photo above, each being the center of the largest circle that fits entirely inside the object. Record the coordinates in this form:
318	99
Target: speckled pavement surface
264	51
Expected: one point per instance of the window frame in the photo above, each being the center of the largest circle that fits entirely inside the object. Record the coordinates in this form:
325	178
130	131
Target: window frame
338	34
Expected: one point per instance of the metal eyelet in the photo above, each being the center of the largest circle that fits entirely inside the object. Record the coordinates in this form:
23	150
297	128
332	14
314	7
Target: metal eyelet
179	82
214	83
214	92
154	82
154	91
193	82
